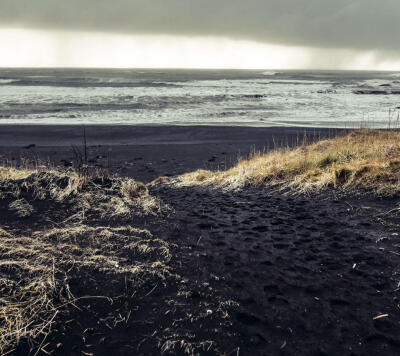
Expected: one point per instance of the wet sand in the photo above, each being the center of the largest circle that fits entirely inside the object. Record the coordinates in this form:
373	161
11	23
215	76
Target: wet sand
147	152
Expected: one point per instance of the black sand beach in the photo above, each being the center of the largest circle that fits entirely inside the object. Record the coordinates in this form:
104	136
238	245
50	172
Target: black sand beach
312	275
309	274
148	152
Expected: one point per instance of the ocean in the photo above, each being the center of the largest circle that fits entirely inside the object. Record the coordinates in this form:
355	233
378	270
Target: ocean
200	97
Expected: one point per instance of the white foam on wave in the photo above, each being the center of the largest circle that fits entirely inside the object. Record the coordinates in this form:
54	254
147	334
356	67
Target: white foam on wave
298	81
270	73
6	81
289	99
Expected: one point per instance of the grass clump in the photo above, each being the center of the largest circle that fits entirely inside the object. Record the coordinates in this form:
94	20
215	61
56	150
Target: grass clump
37	271
54	193
362	158
79	255
56	228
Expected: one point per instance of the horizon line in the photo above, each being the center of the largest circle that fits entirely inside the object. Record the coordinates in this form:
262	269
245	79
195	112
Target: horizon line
203	68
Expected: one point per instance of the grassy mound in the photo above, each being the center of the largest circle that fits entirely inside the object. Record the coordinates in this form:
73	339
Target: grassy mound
100	197
37	271
37	264
363	158
78	261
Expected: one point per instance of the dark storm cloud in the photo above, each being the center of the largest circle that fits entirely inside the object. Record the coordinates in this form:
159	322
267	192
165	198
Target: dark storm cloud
359	24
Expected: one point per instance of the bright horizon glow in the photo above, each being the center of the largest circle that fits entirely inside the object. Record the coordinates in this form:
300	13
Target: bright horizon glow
35	48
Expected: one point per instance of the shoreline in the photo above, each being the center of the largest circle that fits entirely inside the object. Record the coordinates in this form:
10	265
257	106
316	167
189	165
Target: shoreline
148	152
65	135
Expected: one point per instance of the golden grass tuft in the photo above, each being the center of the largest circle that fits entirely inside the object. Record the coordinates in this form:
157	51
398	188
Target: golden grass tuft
85	197
13	173
363	158
35	271
72	237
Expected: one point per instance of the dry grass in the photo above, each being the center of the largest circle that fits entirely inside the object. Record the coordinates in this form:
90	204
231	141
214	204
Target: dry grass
13	173
363	158
36	265
67	239
36	270
102	196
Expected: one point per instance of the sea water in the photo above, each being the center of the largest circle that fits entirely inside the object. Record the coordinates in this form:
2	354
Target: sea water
200	97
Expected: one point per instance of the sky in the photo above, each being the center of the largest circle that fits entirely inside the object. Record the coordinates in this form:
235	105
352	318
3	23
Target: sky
276	34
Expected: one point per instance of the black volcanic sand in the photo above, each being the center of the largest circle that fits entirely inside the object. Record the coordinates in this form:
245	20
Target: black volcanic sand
148	152
309	274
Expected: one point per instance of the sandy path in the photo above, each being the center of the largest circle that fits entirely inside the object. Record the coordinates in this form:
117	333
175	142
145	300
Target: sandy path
308	273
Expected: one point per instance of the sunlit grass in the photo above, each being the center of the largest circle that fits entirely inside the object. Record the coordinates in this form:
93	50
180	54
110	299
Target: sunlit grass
72	216
363	158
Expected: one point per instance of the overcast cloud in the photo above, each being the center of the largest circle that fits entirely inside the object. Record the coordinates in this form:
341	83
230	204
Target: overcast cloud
355	24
